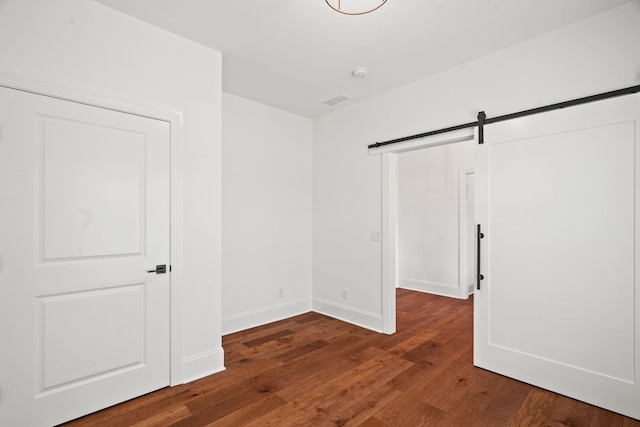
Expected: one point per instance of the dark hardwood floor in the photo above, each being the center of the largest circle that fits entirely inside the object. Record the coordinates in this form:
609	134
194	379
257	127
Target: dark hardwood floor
314	370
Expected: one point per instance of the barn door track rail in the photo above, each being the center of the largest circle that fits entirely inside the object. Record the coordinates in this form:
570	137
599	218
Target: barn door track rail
484	120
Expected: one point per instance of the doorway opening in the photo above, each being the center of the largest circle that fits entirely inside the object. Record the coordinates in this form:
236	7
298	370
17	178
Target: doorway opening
390	220
435	219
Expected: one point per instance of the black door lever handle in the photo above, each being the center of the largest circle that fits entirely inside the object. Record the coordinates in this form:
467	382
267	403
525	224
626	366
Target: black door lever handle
160	269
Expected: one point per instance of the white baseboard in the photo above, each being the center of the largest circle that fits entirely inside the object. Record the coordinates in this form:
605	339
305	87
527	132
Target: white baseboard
202	365
470	289
251	319
444	289
365	319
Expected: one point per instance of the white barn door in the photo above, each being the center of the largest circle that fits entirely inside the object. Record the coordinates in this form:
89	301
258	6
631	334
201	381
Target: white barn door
85	214
558	198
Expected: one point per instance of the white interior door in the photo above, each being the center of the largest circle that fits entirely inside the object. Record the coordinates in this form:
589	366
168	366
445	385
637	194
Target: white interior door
557	199
85	214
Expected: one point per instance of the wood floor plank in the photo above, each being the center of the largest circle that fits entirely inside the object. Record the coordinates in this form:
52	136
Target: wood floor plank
536	408
271	337
420	414
363	390
250	412
568	412
374	422
165	417
458	390
507	398
312	370
357	413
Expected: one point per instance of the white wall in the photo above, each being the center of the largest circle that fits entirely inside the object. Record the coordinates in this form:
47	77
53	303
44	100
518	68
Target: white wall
266	214
592	56
85	44
429	219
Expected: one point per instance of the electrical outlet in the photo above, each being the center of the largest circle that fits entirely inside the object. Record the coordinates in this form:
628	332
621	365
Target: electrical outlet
345	294
376	236
281	293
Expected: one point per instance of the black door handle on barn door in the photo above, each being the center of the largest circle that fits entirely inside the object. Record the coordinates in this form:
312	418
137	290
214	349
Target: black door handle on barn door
479	275
160	269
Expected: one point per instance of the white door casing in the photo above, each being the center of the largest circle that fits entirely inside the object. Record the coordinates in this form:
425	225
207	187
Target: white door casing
466	232
557	196
85	213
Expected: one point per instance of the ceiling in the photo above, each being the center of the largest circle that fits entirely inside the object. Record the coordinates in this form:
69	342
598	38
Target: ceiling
295	54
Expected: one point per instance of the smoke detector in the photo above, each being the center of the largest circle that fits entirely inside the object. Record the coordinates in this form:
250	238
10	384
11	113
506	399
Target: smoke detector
360	73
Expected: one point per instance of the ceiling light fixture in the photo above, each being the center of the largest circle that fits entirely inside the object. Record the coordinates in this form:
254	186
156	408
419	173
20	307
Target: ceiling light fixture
355	7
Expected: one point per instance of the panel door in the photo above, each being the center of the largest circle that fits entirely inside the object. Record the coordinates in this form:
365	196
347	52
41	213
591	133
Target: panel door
85	214
557	199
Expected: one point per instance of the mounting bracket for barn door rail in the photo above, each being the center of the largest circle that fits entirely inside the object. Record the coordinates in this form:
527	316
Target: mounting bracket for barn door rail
481	118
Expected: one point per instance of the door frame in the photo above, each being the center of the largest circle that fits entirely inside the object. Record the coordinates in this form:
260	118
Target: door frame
390	208
54	89
463	236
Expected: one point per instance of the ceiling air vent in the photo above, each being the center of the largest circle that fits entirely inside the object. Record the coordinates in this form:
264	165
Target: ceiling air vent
336	99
